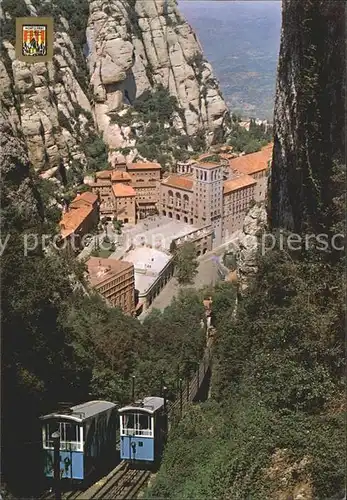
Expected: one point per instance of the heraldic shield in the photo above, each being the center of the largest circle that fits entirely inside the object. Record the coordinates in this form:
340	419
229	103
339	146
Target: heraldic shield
34	39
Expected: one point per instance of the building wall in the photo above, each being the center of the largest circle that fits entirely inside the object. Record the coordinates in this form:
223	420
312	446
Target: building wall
126	209
236	206
106	196
119	290
184	167
145	181
144	176
176	203
165	275
208	198
202	239
260	191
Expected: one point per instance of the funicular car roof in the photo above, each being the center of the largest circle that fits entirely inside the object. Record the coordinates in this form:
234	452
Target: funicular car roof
81	412
150	405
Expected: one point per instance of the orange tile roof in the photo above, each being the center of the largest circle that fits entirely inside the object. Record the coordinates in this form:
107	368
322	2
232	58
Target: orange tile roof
179	182
238	183
253	162
101	269
120	190
73	219
86	197
143	166
118	175
208	164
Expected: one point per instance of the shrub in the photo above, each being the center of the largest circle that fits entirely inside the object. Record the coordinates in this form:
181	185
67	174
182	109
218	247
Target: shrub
64	122
96	153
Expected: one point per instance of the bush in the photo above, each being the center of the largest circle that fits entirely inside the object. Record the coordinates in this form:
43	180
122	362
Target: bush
64	122
156	106
96	153
16	8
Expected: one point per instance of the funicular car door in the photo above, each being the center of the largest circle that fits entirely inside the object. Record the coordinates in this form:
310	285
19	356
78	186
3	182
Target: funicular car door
71	449
138	442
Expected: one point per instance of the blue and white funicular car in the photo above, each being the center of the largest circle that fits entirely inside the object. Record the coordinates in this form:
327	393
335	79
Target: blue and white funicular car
87	438
143	428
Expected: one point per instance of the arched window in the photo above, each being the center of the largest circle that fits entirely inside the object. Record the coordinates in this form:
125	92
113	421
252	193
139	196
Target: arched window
178	200
170	193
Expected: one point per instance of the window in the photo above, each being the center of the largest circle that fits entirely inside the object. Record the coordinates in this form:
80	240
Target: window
137	424
71	435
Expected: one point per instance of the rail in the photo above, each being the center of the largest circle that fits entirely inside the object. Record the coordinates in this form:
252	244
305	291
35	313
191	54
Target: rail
189	393
124	483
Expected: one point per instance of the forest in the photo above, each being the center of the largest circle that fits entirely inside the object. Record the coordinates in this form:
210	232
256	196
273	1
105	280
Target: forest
274	423
62	343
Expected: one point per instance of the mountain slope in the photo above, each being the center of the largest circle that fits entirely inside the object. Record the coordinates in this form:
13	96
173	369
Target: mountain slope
107	55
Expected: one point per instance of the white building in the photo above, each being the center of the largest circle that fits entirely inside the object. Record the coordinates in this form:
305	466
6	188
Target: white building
153	269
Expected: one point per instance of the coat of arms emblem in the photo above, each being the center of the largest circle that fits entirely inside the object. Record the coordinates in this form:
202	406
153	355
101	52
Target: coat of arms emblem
34	40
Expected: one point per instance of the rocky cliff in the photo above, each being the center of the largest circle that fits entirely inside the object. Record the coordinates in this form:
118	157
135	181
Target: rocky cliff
309	121
108	56
20	201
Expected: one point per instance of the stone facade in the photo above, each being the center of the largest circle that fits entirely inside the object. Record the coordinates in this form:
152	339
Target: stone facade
144	178
129	192
216	194
201	193
153	269
114	280
202	239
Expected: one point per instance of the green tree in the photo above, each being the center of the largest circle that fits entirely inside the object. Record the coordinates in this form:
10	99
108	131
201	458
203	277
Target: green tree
173	247
97	155
186	263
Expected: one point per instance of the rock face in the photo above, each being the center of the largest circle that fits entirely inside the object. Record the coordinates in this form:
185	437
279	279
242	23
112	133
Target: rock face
250	245
45	101
132	46
20	201
247	244
309	121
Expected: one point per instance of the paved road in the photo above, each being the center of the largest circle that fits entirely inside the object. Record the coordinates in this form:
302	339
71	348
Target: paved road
207	275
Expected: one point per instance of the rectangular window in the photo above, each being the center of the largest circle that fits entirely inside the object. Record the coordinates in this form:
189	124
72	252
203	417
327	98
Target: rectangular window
137	424
71	435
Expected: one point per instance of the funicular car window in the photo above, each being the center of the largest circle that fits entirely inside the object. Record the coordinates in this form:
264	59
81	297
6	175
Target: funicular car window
69	436
48	430
144	422
129	421
137	424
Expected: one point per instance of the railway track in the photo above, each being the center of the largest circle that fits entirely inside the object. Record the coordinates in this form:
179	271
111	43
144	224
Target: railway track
66	495
122	483
125	485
